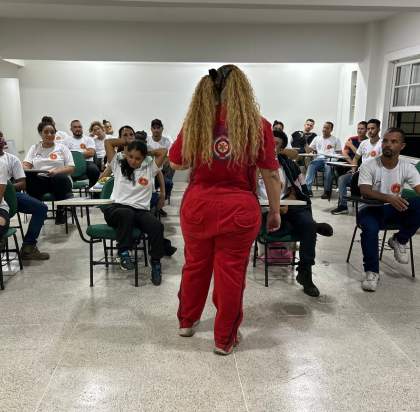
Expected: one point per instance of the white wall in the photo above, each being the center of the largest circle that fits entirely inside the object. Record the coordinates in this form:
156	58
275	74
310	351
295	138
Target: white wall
135	93
153	42
10	110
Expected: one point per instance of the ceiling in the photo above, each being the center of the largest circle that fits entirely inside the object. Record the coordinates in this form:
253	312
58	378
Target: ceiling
220	11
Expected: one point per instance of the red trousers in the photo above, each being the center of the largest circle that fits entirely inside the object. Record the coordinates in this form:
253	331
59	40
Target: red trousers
219	228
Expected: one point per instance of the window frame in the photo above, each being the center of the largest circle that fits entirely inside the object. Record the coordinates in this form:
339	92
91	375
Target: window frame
406	107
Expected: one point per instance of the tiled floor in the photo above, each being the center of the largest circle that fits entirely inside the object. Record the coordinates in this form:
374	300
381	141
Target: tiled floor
67	347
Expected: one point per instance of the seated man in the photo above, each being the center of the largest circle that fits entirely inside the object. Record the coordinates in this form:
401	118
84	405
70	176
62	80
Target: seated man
84	144
383	179
298	220
302	138
25	204
323	146
158	141
358	152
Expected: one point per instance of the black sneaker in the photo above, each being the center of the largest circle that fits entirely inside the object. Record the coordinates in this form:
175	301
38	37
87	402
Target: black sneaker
340	210
311	194
326	195
125	261
163	213
156	273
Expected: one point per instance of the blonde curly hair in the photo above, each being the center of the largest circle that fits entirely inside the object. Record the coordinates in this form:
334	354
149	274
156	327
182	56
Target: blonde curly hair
243	118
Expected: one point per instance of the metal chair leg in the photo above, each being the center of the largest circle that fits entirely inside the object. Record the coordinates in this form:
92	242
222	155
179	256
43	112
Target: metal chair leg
351	244
145	250
91	261
413	273
254	261
383	245
266	265
105	253
136	267
18	251
1	277
20	225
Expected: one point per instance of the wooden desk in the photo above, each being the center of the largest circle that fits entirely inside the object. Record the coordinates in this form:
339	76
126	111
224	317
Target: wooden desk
285	202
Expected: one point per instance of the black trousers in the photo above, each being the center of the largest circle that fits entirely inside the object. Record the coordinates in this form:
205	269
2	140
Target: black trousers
124	218
92	173
298	221
59	185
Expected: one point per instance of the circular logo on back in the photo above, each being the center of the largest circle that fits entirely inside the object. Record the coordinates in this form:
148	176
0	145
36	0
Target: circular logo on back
53	156
222	148
396	188
82	146
143	181
329	147
373	153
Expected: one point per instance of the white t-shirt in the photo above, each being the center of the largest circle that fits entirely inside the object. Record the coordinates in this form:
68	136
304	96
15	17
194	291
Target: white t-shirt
262	192
163	143
100	147
136	194
13	166
368	150
3	181
47	158
388	181
325	146
80	144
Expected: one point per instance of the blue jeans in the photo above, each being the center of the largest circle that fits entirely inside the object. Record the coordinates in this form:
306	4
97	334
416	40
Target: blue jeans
38	210
319	165
344	182
372	219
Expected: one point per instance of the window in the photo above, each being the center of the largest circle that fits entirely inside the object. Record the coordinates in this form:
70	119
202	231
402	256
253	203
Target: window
406	86
353	87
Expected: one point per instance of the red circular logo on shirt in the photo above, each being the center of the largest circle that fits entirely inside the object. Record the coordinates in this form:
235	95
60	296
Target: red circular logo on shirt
53	156
396	188
143	181
82	146
222	147
329	147
373	153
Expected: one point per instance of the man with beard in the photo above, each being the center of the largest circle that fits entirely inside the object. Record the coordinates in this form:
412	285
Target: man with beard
383	179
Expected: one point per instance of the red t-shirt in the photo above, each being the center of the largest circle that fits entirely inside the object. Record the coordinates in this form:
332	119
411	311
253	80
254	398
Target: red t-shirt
221	172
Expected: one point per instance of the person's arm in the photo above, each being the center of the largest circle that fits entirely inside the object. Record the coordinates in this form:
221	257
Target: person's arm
27	165
273	187
66	170
106	173
417	189
20	184
162	194
89	152
159	156
355	162
397	202
110	145
290	153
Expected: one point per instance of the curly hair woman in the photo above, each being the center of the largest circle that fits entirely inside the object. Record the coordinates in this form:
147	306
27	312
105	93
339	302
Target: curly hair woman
224	140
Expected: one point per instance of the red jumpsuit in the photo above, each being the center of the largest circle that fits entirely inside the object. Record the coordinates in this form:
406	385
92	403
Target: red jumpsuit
220	219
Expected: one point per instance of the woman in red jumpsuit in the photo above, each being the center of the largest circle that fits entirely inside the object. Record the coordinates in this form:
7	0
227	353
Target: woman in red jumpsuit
224	140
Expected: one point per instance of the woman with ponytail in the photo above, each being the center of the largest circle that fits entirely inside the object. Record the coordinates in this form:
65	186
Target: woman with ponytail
134	175
223	141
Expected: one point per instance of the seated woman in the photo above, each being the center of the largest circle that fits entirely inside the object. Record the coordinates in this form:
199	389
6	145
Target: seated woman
97	131
134	172
56	159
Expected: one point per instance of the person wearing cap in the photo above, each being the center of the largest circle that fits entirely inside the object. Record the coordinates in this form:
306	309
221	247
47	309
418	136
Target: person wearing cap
158	141
224	139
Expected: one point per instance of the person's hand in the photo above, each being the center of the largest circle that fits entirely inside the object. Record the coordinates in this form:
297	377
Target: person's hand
54	171
273	221
398	203
161	201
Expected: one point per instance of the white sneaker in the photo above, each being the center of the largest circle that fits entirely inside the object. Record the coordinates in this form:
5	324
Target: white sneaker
400	251
188	332
370	282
